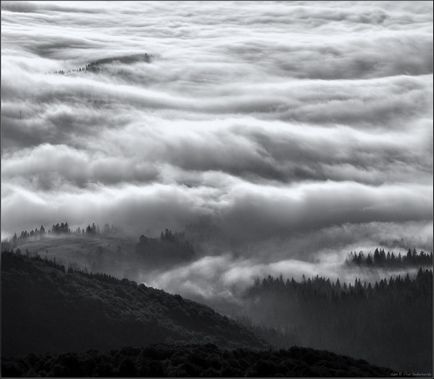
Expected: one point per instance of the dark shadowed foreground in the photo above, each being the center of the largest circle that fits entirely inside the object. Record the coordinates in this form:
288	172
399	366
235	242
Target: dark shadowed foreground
59	313
46	308
192	360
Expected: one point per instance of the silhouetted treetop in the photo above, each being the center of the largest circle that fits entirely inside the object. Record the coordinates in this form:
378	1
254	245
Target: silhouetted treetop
390	259
171	247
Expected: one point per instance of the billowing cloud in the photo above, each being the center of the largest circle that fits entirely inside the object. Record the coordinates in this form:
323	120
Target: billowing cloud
224	278
273	133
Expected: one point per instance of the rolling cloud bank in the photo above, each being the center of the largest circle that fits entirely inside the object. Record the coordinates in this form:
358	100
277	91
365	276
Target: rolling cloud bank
289	132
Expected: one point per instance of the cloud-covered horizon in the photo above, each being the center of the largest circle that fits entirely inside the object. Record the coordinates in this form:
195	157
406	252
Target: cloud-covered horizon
289	128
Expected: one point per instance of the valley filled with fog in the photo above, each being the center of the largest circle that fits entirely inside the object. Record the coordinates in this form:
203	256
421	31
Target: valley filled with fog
218	144
292	131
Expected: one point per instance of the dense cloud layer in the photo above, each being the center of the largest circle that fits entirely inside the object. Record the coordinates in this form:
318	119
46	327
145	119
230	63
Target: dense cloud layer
295	128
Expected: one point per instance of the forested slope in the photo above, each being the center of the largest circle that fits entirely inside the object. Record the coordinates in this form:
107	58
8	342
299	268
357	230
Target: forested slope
193	360
46	308
388	322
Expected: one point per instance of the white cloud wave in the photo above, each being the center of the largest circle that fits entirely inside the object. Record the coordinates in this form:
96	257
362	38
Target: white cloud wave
272	121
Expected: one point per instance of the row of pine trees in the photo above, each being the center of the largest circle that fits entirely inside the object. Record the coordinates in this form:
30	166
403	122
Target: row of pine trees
390	259
63	228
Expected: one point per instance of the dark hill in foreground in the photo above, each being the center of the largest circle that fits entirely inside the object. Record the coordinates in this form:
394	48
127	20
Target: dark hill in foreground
47	309
193	360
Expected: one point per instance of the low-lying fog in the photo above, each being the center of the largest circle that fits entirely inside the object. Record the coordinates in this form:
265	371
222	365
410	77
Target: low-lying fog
281	135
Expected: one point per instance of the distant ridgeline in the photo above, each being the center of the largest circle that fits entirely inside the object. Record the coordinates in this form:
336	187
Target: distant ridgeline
96	65
169	248
390	260
62	229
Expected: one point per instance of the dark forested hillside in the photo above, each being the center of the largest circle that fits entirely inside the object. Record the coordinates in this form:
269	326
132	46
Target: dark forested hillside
193	360
388	323
61	317
47	308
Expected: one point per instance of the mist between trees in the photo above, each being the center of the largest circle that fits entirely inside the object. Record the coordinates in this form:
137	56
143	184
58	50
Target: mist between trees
389	318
